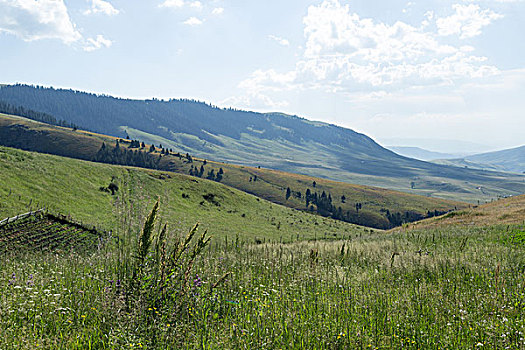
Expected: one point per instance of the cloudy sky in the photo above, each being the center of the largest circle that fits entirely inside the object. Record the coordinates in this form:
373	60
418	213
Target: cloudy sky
404	72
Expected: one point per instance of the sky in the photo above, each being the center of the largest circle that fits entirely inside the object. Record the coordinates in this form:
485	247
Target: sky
438	74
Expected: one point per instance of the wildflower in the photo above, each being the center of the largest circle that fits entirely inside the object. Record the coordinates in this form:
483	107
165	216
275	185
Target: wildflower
197	282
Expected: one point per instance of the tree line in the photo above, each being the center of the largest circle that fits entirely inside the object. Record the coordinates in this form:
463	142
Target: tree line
7	108
121	155
322	204
211	175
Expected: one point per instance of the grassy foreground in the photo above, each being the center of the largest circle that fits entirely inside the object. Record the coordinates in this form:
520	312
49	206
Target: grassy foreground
270	278
455	288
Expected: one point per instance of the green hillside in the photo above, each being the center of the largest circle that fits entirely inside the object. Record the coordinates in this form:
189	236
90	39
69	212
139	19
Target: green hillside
73	187
271	140
505	211
512	160
378	208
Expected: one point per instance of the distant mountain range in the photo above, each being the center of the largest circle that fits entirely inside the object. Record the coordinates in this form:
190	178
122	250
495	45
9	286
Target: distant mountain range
420	153
448	146
512	160
272	140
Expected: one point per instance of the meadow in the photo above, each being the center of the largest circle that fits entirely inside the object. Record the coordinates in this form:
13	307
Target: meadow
452	288
253	275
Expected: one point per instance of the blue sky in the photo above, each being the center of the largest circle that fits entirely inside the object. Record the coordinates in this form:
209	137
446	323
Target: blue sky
400	71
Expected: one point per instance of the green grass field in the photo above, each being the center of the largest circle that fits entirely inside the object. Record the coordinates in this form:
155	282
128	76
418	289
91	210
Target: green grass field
445	289
72	187
273	278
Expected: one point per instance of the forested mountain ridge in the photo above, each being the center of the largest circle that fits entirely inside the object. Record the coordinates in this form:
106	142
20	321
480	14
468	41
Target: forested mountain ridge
102	113
272	140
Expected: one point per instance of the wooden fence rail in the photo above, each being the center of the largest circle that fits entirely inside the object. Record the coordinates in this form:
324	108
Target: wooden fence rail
19	217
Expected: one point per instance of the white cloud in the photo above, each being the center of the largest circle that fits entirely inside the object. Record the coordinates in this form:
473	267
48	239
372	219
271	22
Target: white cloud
489	109
256	90
172	3
98	43
281	81
181	3
217	11
186	6
467	21
279	40
253	102
34	20
195	4
103	7
193	21
45	19
345	53
408	7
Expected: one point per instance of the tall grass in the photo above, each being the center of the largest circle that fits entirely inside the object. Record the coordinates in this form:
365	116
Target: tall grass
455	288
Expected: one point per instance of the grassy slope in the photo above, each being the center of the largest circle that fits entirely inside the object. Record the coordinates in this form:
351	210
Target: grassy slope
508	211
318	160
506	160
69	186
271	185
